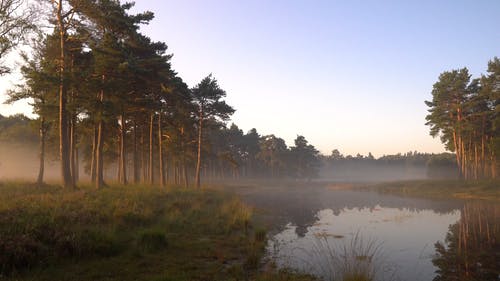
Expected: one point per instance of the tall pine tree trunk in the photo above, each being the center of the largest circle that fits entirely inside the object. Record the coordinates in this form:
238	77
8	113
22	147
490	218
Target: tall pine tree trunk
63	114
93	163
160	152
41	169
72	156
476	163
100	143
151	146
483	158
198	161
72	128
176	172
99	157
143	157
167	167
184	172
183	159
77	165
123	151
457	153
118	152
493	164
135	156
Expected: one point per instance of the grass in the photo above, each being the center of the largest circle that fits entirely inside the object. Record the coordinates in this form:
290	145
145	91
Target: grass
129	233
360	259
442	189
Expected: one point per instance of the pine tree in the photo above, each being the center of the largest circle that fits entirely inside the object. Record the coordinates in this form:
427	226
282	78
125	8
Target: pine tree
207	96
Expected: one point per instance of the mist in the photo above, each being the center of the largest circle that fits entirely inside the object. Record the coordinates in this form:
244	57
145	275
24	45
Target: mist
20	161
373	173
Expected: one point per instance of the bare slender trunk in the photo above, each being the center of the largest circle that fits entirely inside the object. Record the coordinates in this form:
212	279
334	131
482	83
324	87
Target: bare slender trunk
118	170
151	145
198	161
77	165
123	150
476	163
143	157
167	167
483	158
457	153
72	149
41	169
464	160
135	156
160	152
100	142
72	129
184	172
63	114
93	162
176	172
493	165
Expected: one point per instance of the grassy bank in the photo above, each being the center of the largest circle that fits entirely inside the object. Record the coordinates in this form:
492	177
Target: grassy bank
128	233
441	189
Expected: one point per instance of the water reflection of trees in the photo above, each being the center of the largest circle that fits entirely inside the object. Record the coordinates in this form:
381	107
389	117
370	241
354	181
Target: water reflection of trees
300	205
471	250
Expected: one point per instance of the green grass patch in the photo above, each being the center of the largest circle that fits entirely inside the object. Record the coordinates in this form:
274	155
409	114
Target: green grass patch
127	233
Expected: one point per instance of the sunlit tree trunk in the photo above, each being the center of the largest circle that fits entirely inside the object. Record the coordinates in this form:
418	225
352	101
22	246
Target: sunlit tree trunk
100	143
93	163
457	153
123	149
135	156
77	165
144	162
41	169
118	163
483	158
63	114
198	161
72	129
167	167
476	163
160	152
185	172
464	160
151	146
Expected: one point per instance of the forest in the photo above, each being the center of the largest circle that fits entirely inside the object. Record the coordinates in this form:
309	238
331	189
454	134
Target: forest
105	95
465	114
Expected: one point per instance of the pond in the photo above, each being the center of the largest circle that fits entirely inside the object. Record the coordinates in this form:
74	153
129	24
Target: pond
330	233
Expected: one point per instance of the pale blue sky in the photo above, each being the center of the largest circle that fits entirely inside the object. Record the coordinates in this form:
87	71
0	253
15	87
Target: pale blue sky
351	75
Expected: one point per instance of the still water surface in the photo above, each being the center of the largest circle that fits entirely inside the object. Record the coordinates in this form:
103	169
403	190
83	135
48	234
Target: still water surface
403	231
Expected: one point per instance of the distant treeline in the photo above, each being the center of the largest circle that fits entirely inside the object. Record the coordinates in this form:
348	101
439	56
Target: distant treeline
465	114
410	165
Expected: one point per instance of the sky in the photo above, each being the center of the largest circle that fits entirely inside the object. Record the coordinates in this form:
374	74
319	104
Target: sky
347	75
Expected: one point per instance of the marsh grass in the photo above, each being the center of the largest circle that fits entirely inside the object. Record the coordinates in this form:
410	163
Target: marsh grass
126	233
334	259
